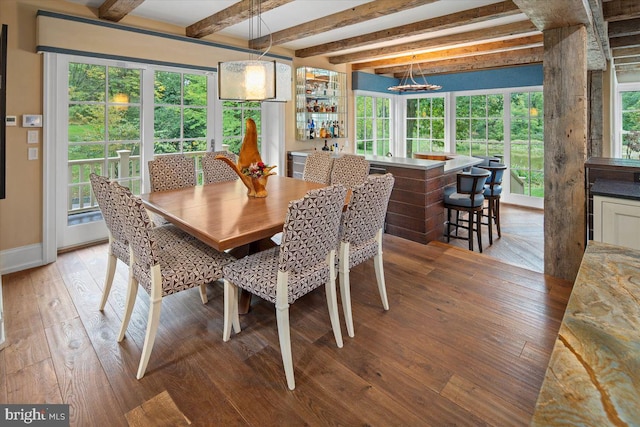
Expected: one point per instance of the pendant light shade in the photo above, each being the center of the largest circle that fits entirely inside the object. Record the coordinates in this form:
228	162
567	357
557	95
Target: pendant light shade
254	79
250	80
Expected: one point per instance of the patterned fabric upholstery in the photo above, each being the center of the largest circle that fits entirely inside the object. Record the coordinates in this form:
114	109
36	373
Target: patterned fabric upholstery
364	217
165	261
361	236
172	171
217	170
118	245
310	232
317	167
349	170
303	262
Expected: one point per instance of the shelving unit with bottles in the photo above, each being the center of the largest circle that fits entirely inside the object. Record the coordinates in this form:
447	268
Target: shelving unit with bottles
321	104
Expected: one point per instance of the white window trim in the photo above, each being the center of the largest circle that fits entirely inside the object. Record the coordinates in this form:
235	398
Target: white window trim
617	131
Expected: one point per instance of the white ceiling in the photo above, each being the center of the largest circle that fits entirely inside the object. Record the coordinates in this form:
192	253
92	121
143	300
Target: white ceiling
186	12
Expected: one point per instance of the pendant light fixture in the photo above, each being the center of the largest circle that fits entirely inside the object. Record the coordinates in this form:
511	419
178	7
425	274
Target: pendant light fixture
255	79
409	84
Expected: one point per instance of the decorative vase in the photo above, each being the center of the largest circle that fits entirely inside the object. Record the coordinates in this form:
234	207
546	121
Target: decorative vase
259	186
250	156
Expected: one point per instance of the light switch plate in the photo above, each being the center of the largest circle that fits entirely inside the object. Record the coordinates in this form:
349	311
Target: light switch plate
32	136
33	153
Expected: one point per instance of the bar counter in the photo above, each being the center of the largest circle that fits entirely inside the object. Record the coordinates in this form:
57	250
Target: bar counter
415	208
593	377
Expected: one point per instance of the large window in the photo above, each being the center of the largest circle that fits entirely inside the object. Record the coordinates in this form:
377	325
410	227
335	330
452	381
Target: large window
104	130
234	116
180	112
425	125
527	143
629	121
480	125
373	125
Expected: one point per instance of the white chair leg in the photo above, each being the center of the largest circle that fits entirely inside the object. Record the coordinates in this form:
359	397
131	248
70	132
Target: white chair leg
332	304
132	291
282	318
345	287
150	336
231	316
203	293
112	261
377	264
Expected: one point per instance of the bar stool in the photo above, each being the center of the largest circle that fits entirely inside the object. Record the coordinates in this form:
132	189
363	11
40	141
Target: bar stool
468	196
492	192
487	160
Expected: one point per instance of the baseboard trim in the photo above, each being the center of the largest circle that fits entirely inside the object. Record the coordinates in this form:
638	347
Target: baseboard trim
21	258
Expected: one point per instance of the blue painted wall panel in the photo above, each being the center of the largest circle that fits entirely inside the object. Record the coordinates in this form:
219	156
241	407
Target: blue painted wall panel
522	76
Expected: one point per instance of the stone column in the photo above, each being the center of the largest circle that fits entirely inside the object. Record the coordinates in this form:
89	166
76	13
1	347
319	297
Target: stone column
565	138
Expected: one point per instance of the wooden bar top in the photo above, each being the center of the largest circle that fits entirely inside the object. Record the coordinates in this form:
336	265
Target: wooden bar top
593	377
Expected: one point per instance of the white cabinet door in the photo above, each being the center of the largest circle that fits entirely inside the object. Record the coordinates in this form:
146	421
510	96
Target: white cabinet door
616	221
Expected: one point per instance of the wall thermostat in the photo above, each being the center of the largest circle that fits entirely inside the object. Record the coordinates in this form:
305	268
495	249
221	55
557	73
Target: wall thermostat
31	121
10	120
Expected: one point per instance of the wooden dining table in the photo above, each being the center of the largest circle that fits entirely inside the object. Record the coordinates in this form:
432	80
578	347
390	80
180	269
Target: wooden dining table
223	216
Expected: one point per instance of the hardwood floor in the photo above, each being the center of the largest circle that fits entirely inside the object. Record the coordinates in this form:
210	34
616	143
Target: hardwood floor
466	342
522	241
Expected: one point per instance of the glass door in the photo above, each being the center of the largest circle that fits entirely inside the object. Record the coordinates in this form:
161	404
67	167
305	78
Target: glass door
103	135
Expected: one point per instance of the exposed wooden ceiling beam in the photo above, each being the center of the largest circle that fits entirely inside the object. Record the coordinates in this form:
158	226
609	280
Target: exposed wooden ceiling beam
515	28
620	10
547	15
355	15
629	27
623	52
234	14
628	41
481	48
480	62
627	60
115	10
465	17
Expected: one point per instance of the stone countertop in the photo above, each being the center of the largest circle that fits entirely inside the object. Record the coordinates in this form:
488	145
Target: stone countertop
593	377
620	189
455	164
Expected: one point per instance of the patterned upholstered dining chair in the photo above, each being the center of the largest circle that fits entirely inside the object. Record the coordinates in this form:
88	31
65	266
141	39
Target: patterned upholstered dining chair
172	171
361	237
349	170
304	261
118	245
164	261
317	167
215	170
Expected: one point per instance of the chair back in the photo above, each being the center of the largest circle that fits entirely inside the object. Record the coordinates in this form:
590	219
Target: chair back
487	160
317	167
349	170
105	197
310	232
172	171
137	225
215	170
367	209
472	182
493	186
